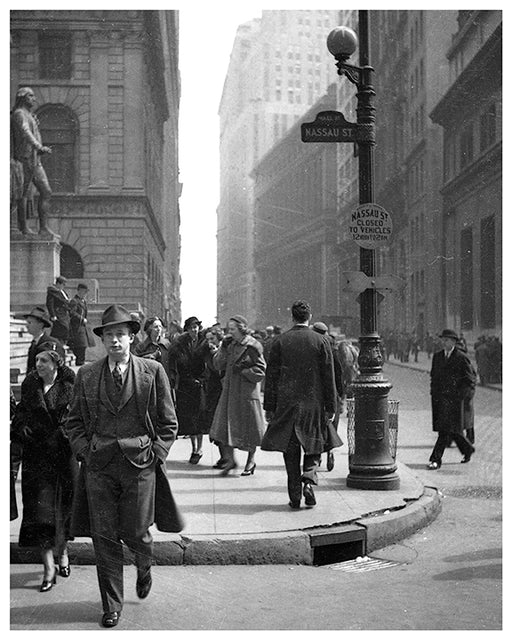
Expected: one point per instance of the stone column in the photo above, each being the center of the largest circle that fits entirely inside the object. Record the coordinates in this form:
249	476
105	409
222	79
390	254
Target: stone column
133	112
98	49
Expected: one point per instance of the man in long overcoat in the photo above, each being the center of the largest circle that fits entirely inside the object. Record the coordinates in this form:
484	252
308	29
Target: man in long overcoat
121	425
78	323
300	402
452	380
57	301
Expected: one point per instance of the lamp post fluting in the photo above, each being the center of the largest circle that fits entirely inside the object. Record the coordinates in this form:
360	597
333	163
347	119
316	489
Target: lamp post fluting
372	465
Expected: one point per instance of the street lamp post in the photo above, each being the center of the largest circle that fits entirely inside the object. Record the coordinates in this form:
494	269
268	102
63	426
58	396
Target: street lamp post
371	466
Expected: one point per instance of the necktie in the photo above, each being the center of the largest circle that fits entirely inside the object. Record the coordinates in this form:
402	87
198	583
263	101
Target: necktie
118	377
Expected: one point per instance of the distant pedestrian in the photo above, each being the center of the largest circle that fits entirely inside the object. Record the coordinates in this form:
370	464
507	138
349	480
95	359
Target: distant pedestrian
213	338
239	422
121	425
57	302
78	323
49	469
300	401
38	325
187	371
452	380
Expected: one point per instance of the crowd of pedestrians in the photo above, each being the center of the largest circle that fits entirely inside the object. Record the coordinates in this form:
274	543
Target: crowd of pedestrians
92	448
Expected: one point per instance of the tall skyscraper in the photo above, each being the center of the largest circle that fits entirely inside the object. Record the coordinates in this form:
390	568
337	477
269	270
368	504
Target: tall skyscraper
279	68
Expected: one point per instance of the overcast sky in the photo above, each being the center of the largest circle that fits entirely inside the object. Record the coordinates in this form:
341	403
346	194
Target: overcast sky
206	40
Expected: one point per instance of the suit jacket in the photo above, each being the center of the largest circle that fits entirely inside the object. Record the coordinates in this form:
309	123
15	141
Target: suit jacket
452	380
154	408
299	390
58	307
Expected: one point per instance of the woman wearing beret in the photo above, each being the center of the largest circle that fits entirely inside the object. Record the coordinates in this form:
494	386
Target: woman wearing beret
49	470
239	422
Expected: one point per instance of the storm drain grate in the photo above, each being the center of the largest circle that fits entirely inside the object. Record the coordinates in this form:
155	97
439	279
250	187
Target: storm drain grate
361	564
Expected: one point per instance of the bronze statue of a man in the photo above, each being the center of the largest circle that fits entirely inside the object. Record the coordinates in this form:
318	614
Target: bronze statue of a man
26	167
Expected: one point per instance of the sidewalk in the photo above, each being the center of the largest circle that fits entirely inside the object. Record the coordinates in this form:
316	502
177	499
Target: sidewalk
425	364
246	520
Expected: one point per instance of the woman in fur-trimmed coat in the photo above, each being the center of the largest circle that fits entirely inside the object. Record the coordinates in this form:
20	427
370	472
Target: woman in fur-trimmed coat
239	421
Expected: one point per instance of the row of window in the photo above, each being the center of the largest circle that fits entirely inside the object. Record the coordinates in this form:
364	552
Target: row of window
416	179
472	140
417	122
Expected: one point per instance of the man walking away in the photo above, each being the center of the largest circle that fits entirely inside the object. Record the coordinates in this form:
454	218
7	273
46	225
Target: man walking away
300	400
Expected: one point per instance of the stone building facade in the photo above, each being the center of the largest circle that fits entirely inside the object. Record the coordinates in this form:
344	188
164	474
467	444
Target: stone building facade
470	114
107	88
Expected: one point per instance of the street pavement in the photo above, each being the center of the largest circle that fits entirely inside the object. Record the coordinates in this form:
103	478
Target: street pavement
248	597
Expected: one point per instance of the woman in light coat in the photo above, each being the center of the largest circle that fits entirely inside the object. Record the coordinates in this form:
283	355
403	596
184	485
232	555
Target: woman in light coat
239	422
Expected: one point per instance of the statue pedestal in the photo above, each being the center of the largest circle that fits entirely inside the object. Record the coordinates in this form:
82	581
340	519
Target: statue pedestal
34	266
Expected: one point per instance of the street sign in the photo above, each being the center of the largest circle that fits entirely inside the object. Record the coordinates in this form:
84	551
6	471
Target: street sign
370	226
358	281
329	126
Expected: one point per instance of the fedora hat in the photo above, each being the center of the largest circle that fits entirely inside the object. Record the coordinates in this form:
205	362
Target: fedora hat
40	313
449	333
320	327
116	314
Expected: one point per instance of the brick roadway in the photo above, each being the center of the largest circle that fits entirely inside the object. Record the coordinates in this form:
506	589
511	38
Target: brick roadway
483	475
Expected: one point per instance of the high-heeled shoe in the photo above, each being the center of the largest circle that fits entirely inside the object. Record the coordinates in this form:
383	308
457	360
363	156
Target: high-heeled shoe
230	466
64	572
46	585
250	471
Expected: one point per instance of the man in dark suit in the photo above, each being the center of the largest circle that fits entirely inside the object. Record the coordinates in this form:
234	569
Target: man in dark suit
38	321
300	400
452	380
121	425
57	301
78	323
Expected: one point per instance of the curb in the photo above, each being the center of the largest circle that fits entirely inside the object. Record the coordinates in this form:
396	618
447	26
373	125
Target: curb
284	547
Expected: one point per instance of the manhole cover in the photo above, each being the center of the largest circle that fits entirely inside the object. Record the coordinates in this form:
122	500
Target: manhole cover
361	564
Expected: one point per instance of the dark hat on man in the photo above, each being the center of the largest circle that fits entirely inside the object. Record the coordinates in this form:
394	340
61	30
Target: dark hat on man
116	314
82	285
40	313
191	321
61	280
449	333
320	327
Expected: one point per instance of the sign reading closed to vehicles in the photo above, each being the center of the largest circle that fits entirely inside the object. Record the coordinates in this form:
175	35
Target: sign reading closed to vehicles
370	226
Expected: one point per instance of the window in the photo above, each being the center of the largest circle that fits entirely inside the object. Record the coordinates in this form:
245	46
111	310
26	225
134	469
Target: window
466	278
488	127
55	55
59	130
466	146
71	265
487	274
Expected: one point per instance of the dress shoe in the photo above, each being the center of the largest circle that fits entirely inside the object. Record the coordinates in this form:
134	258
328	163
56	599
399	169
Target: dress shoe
220	464
144	582
249	471
309	495
330	461
434	465
294	505
195	457
231	465
466	458
46	585
110	618
64	571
